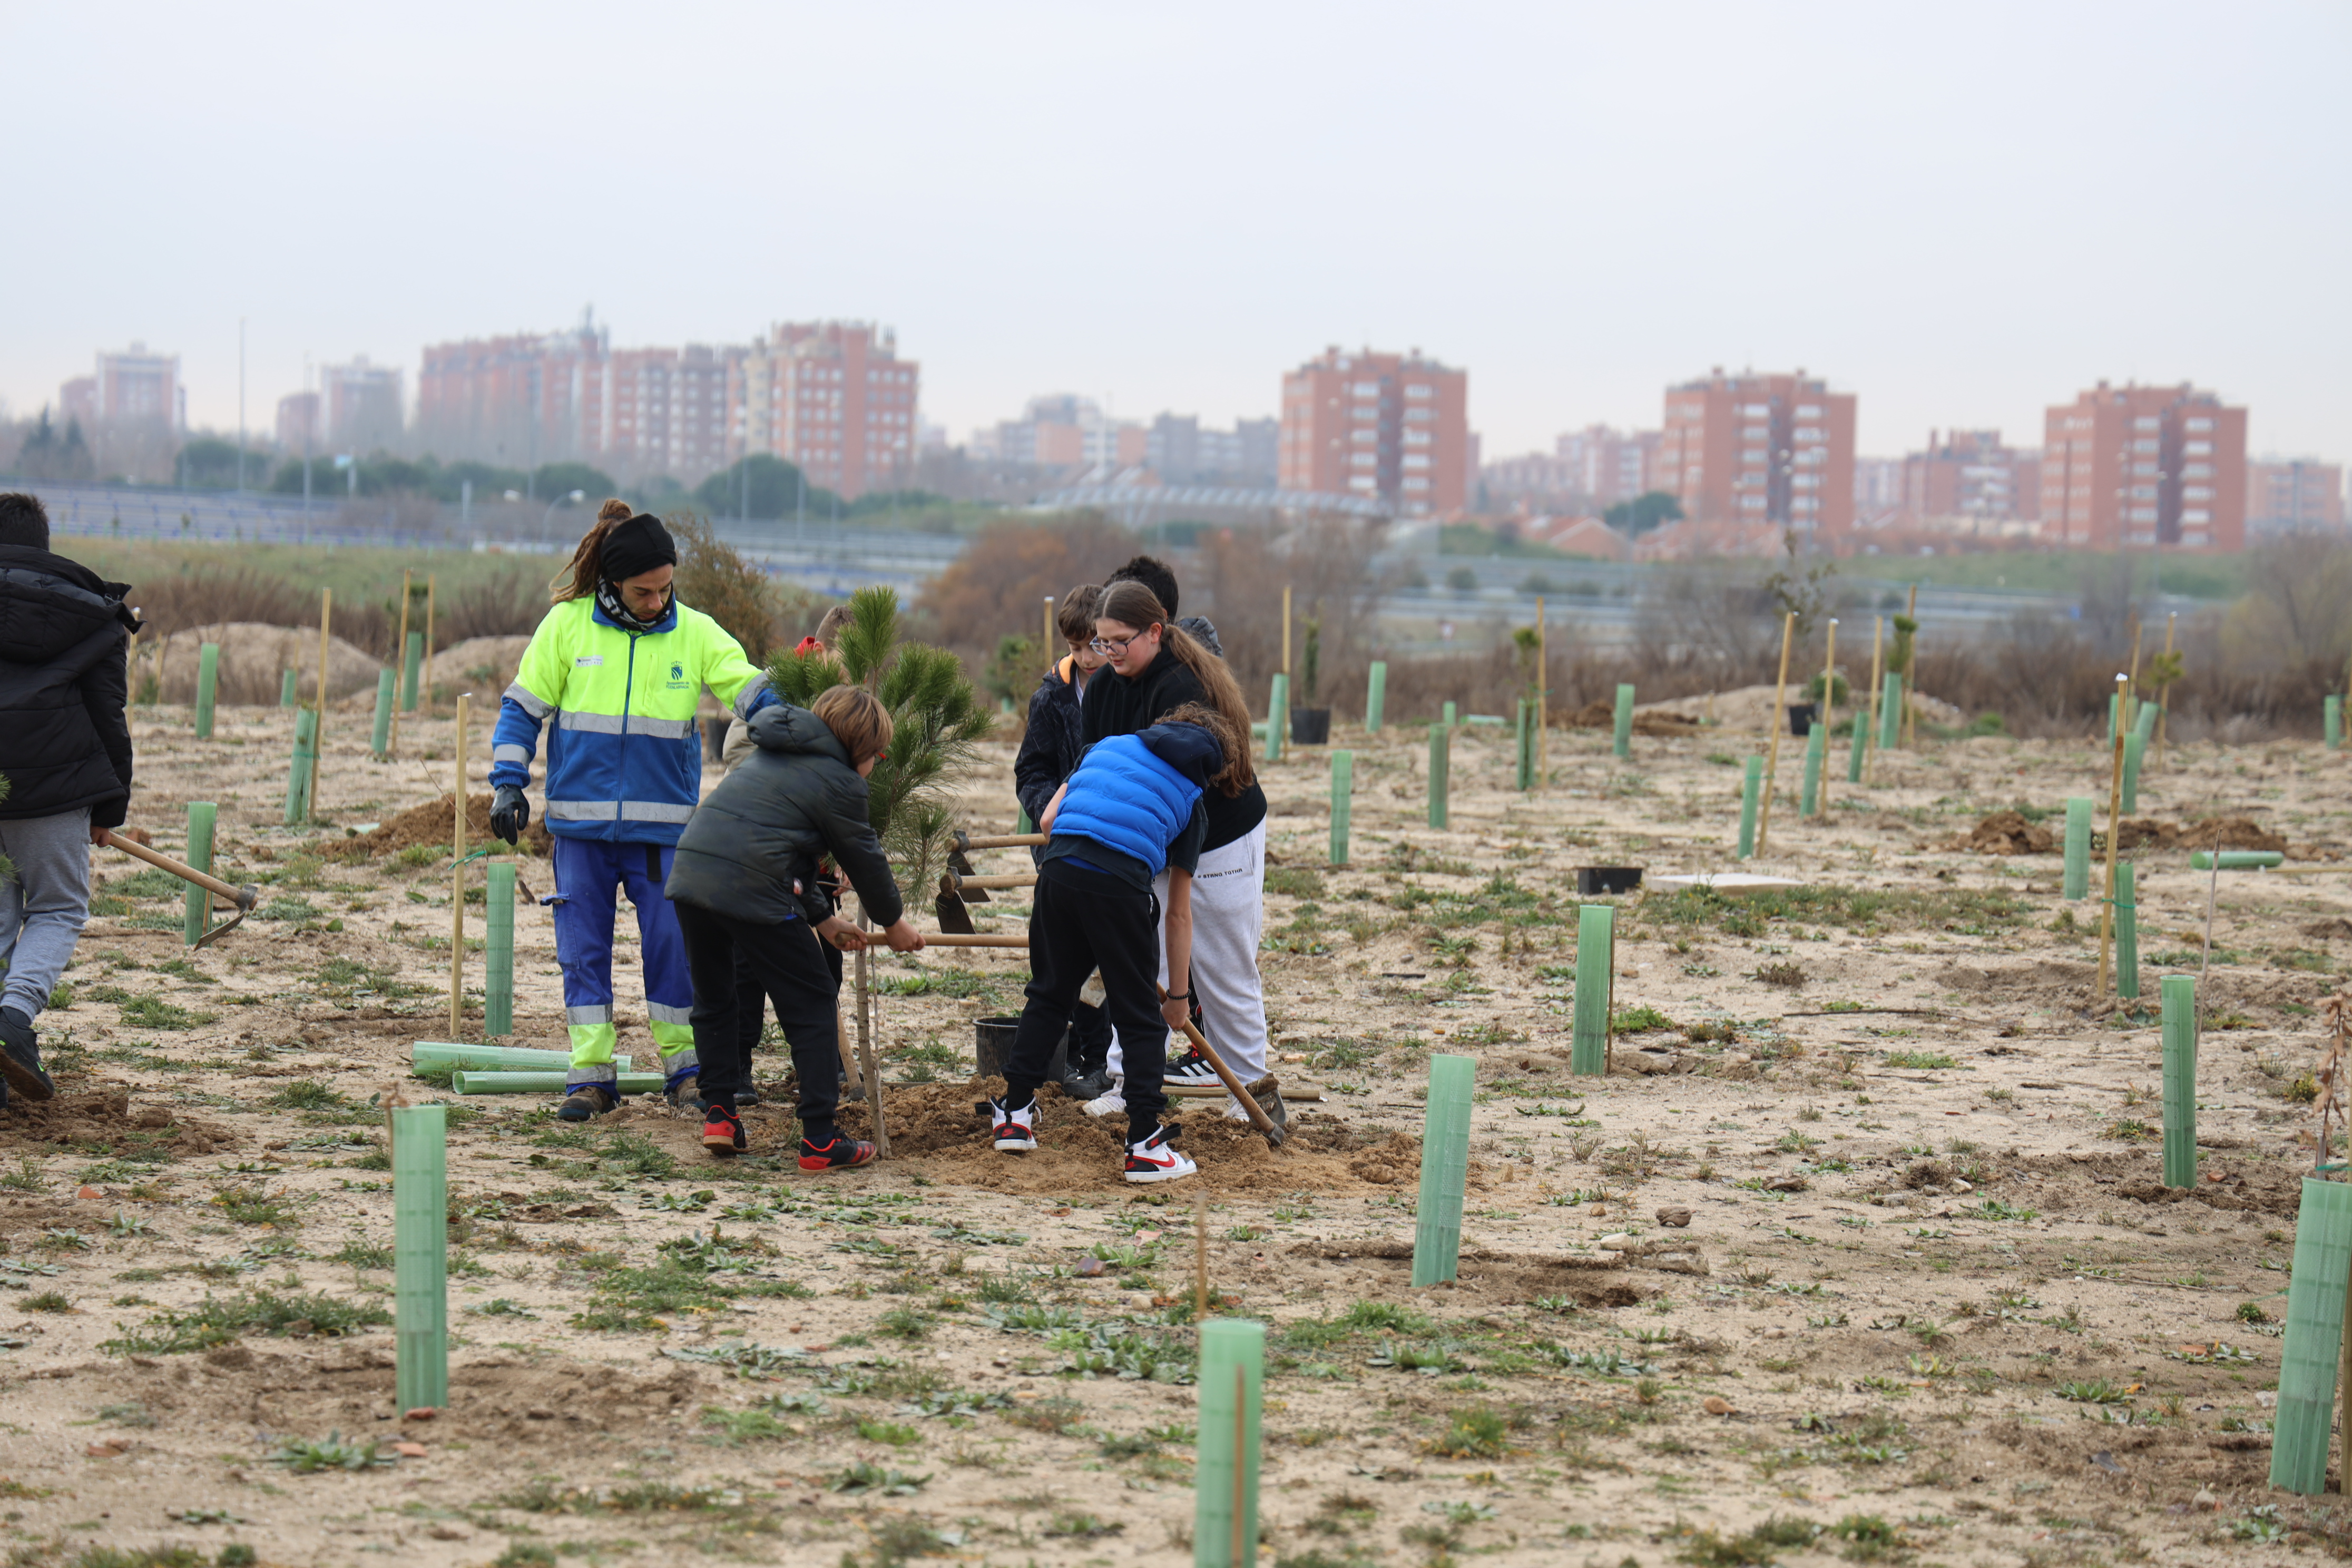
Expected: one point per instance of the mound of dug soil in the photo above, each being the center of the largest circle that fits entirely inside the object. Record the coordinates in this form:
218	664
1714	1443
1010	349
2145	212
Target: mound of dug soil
2212	833
1599	715
434	823
106	1119
2006	833
933	1126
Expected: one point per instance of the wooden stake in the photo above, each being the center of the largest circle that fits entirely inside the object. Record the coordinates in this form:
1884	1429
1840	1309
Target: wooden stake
424	669
867	1070
457	883
2115	837
1285	628
400	663
1543	699
1051	629
318	739
2164	692
1200	1256
1828	717
1773	723
1877	675
1911	678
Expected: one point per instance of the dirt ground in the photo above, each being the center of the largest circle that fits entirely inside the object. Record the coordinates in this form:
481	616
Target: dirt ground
1860	1253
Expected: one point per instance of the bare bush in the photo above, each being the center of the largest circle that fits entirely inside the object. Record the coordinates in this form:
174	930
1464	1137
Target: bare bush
998	586
510	604
211	595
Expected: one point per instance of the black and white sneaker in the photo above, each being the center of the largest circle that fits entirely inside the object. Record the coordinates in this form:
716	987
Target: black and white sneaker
1190	1070
1016	1130
1154	1161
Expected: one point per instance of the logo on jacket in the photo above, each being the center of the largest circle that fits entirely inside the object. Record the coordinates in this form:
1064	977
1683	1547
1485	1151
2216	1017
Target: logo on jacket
586	659
677	672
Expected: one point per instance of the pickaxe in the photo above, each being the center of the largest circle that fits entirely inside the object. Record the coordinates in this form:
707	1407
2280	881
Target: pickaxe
242	900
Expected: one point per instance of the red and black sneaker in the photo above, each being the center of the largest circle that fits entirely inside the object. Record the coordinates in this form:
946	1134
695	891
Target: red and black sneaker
722	1132
834	1153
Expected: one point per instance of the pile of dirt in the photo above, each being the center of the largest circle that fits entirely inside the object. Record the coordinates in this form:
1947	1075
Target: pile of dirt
1599	715
2212	833
1751	708
933	1125
2006	833
105	1120
483	666
435	823
254	658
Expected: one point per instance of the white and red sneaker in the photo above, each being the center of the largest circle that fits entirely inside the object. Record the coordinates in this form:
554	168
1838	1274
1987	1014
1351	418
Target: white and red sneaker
1153	1161
1016	1130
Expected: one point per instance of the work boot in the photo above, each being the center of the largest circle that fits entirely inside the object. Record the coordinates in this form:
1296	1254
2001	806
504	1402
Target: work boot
836	1153
685	1097
722	1132
20	1056
589	1099
1151	1159
1016	1130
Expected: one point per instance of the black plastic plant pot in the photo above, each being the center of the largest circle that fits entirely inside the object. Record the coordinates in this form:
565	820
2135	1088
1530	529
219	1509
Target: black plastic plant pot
1801	717
1593	879
1310	726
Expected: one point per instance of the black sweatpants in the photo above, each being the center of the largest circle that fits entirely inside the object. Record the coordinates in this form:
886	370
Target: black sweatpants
751	1000
787	963
1080	921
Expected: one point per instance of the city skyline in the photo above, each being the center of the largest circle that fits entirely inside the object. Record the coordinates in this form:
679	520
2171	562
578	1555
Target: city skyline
1702	232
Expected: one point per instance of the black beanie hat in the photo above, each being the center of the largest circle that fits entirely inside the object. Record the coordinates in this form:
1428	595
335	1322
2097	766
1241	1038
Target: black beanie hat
634	547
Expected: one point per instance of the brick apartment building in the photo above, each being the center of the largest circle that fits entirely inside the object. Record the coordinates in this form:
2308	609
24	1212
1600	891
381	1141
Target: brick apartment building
2290	494
1969	476
517	401
833	398
298	423
134	387
359	405
1749	449
660	410
2135	466
1393	425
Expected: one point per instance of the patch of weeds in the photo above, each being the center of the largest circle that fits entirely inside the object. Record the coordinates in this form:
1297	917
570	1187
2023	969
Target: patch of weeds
1639	1020
1475	1433
308	1094
862	1480
306	1457
154	1012
2098	1391
1056	1413
1925	1061
218	1320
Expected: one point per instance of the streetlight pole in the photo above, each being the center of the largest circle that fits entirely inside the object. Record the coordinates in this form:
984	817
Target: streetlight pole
547	522
240	407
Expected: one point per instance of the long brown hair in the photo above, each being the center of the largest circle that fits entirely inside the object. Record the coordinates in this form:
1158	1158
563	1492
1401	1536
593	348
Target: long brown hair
578	581
1130	604
1233	745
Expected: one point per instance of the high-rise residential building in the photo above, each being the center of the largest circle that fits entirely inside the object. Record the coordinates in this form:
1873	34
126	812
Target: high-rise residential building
2143	466
833	398
297	424
1608	466
519	401
360	406
1968	475
1391	425
134	387
1064	431
1180	450
1877	491
661	411
1751	449
2290	494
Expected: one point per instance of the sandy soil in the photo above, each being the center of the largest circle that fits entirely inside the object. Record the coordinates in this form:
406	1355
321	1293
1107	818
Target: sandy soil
1929	1291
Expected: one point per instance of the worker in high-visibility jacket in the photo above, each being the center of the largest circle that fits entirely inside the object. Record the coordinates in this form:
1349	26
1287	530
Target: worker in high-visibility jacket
615	672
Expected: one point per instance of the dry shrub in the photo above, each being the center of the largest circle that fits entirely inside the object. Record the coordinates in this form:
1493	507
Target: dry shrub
712	576
508	605
211	595
997	588
1236	578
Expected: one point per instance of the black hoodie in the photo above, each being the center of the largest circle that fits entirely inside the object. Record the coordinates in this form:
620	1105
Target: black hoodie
63	687
1115	705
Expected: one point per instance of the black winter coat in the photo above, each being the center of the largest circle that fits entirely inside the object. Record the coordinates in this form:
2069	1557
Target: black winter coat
1050	749
793	802
63	689
1118	706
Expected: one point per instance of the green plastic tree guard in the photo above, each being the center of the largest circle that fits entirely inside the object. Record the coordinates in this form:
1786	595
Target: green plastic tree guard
420	1255
1376	695
412	671
2134	749
1438	764
1225	1455
380	742
298	778
1890	712
1343	794
2331	718
1751	790
2126	933
1444	1167
2236	859
1596	956
1622	736
1817	744
1277	717
201	814
289	688
1854	754
2077	884
498	965
1451	717
2315	1335
2180	1079
495	1058
2145	727
207	688
1021	822
465	1082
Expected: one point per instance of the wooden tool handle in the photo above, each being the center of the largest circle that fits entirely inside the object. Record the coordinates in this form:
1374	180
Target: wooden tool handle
1002	841
1024	880
931	939
241	898
1248	1102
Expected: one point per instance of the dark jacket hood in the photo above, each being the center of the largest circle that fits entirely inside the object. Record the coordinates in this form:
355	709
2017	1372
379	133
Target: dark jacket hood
779	727
49	603
1188	748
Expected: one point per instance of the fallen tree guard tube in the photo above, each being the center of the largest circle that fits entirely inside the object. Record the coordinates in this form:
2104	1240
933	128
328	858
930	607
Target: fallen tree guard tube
531	1082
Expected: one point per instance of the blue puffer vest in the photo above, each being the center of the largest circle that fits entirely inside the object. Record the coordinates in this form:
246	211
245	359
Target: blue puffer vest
1126	798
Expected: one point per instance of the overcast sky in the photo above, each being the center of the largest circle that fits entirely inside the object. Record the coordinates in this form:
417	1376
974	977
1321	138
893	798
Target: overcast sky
1960	213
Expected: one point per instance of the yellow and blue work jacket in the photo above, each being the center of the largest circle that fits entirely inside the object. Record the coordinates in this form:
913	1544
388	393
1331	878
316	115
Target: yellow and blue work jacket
624	762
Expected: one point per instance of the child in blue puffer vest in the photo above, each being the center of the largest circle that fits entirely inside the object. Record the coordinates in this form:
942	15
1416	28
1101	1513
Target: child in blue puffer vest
1131	810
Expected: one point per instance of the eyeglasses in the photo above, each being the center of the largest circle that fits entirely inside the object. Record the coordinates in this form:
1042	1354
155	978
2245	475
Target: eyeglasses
1119	645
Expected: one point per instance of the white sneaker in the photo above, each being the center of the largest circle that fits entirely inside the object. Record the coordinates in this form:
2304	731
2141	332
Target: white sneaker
1234	1111
1016	1130
1190	1070
1153	1161
1113	1103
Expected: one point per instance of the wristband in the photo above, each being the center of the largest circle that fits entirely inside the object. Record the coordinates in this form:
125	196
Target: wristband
1180	995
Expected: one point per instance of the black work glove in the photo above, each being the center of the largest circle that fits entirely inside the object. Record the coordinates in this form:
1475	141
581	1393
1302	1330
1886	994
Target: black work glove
509	813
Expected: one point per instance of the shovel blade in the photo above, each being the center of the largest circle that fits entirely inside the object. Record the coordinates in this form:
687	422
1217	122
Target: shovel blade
954	919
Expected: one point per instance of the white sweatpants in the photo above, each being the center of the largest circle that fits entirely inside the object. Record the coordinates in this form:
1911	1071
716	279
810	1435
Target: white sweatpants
1228	918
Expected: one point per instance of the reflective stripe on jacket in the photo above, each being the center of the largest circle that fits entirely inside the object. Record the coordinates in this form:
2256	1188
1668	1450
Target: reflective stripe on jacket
623	759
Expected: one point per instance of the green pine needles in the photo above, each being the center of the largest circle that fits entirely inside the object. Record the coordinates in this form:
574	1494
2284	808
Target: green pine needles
939	721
